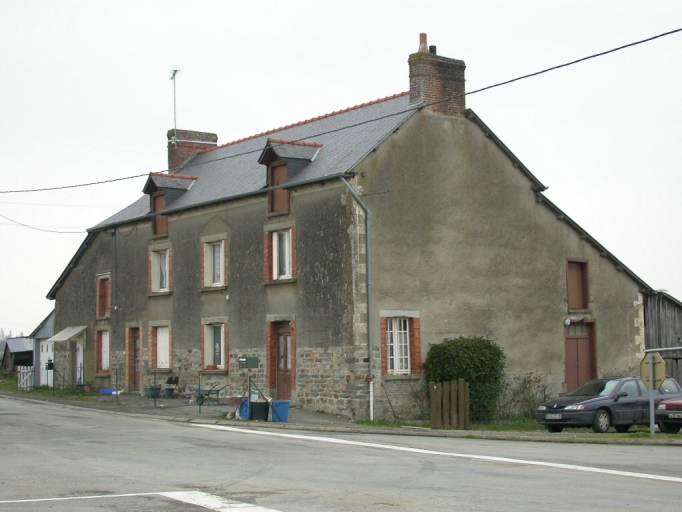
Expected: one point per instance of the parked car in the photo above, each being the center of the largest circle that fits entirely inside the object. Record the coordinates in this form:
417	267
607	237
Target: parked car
600	403
669	415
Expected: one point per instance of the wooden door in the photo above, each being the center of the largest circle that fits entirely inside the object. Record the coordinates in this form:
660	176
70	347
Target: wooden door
285	357
134	359
580	360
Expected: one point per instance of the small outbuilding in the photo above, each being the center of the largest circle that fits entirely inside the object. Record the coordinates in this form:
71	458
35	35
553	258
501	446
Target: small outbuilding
18	352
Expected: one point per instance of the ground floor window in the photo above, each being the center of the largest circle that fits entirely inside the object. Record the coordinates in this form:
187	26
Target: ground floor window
102	357
401	343
215	347
160	347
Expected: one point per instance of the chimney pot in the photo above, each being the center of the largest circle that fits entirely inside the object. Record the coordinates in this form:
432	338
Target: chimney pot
423	48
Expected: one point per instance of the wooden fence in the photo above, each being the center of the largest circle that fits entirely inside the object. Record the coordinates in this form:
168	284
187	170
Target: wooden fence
449	404
25	378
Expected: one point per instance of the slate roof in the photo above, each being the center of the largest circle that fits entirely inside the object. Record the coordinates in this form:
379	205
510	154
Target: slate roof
232	170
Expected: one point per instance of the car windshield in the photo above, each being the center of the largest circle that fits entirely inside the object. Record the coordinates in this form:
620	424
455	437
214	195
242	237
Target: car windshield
599	387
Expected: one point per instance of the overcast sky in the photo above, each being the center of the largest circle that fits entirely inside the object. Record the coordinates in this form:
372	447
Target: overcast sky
85	96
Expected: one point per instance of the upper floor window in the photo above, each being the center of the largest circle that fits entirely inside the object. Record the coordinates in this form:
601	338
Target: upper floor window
103	299
160	270
159	221
215	267
577	278
278	199
281	254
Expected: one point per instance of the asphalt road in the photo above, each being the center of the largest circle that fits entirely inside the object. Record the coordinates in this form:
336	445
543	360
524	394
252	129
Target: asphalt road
73	459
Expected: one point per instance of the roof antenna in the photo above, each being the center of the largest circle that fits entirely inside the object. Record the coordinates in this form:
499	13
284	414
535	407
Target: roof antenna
174	72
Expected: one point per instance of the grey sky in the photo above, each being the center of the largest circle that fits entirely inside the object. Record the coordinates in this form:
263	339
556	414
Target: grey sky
85	96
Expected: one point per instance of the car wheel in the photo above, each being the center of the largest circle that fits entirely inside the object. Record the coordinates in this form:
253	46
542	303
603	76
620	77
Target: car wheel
602	421
622	428
553	428
668	428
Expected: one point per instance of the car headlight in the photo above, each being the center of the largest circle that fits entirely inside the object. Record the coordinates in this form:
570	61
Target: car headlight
661	407
543	407
575	407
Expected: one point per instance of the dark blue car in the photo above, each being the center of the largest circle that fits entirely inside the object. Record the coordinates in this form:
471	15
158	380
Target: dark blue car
600	403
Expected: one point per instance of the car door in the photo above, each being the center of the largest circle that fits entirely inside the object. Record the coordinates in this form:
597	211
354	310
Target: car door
628	409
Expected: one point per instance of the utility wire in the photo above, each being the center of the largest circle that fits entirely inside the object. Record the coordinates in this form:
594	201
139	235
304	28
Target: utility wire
40	229
72	186
416	107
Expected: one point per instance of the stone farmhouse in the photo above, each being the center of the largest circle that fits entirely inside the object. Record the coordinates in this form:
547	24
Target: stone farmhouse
337	250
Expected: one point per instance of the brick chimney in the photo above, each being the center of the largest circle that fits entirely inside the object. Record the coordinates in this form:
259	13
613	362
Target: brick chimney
434	78
187	144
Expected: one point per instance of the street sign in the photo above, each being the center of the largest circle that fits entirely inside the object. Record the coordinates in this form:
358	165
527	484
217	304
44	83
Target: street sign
658	368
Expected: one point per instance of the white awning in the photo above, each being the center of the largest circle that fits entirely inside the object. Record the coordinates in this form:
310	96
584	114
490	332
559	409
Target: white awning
68	333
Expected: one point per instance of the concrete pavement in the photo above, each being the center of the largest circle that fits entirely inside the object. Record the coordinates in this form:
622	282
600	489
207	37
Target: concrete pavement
184	410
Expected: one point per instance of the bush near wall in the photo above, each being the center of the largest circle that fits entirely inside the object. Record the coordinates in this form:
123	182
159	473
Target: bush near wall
477	360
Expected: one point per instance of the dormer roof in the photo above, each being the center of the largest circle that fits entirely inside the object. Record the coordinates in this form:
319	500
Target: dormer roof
161	181
289	150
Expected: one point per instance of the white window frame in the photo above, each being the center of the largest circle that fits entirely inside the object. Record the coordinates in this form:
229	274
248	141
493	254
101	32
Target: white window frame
209	344
105	344
398	345
160	269
210	263
162	346
284	238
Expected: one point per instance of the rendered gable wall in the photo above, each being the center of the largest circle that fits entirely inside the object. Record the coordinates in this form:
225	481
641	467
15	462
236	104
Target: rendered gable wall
458	235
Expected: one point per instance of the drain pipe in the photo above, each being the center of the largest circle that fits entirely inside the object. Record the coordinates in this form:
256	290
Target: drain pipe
368	270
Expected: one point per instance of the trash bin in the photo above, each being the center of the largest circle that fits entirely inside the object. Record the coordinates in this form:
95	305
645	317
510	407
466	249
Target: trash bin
259	411
280	410
152	392
244	409
169	393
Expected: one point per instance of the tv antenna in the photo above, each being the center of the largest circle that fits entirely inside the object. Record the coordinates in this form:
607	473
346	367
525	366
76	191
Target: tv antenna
174	72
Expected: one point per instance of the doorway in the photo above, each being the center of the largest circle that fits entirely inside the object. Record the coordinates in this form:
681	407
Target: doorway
580	362
134	362
285	356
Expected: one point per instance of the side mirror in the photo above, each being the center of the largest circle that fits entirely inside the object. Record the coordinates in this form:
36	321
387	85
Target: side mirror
620	395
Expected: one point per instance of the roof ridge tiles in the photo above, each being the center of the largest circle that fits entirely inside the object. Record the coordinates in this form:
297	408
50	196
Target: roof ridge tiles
181	176
295	142
275	130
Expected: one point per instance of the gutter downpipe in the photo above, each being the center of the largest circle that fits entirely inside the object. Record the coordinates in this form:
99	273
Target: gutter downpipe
368	265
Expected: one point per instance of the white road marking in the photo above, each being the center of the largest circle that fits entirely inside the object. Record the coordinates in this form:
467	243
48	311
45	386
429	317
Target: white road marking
212	502
201	499
571	467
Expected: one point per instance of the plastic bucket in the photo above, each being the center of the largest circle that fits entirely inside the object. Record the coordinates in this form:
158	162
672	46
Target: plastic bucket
280	410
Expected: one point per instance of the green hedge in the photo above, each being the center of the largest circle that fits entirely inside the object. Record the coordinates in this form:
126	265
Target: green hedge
477	360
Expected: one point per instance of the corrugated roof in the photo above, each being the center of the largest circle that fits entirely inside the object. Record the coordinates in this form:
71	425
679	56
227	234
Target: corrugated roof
20	345
68	333
232	170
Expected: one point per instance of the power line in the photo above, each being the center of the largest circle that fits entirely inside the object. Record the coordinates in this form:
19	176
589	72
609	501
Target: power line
40	229
71	186
506	82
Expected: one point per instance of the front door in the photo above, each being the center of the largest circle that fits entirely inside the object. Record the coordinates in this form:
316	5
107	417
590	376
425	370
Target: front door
284	361
46	354
580	361
134	359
